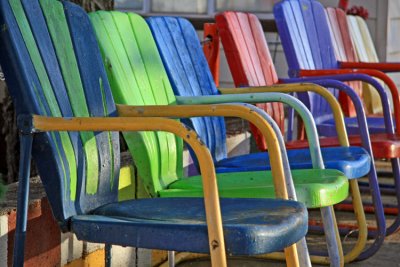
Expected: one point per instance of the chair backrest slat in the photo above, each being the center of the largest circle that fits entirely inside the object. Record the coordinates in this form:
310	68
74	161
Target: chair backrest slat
52	72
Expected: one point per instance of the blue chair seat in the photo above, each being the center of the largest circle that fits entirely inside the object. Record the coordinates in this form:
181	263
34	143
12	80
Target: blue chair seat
353	162
179	224
375	125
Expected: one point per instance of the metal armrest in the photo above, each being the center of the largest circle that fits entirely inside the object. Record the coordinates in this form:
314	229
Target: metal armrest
302	87
382	66
365	76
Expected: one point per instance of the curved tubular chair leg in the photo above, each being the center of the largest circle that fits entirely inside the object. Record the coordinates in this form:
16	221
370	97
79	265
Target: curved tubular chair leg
247	112
207	170
343	139
23	197
366	143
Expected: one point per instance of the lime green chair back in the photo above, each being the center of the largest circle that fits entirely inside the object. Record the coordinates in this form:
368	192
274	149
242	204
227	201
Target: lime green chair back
129	59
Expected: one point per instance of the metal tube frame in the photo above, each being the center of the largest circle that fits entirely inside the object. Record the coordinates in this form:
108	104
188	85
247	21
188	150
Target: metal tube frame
336	81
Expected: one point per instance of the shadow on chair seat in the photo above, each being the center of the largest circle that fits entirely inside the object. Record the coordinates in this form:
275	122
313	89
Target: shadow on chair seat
354	162
179	224
384	145
375	125
315	188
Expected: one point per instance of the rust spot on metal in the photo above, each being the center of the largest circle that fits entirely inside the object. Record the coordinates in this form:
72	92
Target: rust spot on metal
214	244
200	141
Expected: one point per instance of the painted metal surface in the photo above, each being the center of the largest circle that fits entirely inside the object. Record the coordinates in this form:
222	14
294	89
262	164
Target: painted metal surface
231	47
189	71
190	212
148	47
123	124
166	48
250	67
390	138
211	49
316	21
31	82
212	208
366	143
344	51
135	72
341	129
166	45
366	52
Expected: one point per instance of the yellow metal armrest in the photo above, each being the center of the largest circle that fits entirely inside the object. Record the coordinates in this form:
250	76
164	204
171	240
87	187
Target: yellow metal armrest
207	170
301	87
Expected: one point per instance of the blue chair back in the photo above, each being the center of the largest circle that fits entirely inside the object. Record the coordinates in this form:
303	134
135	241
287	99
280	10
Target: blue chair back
51	71
189	74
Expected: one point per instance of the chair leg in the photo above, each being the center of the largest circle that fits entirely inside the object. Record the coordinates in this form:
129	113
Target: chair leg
380	233
379	214
171	258
396	173
107	255
23	198
332	237
302	251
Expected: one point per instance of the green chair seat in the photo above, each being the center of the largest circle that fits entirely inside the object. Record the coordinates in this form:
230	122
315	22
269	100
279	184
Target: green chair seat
314	188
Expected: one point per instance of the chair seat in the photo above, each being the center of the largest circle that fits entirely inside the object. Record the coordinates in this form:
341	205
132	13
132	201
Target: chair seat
383	145
353	162
179	224
375	125
315	188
